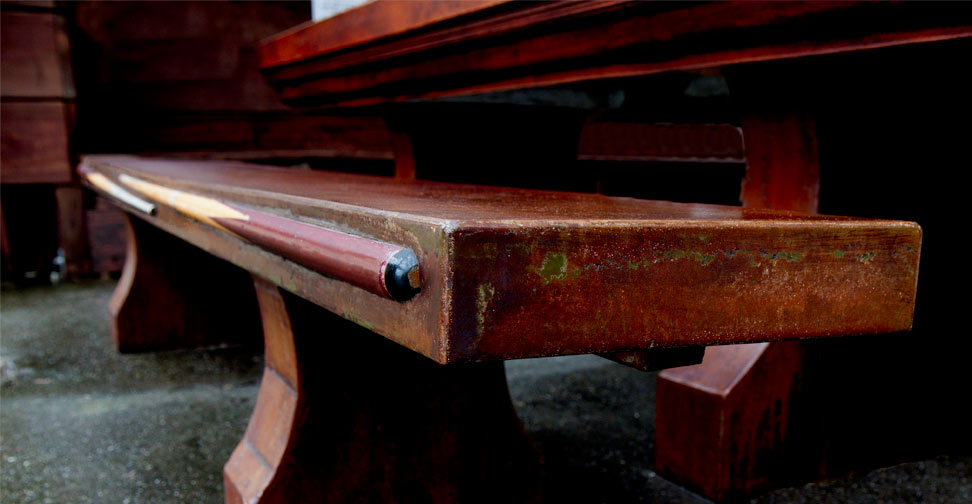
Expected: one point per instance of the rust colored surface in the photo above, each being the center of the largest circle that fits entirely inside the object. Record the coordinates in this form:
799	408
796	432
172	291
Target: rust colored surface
539	43
34	56
34	143
619	141
328	428
715	431
173	295
105	229
736	410
353	259
362	25
619	273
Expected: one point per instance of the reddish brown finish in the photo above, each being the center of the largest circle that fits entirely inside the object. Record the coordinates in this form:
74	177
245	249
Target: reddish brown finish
173	295
496	262
106	231
328	427
175	58
72	235
735	410
34	148
721	426
782	170
367	23
34	60
534	44
632	141
353	259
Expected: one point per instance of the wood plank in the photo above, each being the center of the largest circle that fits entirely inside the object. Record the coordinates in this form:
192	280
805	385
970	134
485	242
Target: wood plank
34	143
369	22
620	273
34	60
106	237
176	56
533	44
71	229
241	134
647	142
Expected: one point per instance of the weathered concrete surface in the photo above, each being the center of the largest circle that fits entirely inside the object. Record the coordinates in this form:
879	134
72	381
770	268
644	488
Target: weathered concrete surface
82	423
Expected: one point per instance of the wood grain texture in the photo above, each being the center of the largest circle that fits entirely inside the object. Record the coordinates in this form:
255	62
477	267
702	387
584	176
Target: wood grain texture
536	44
34	148
497	261
328	428
173	295
34	59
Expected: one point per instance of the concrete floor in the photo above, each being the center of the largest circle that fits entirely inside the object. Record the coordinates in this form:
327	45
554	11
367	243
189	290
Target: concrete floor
82	423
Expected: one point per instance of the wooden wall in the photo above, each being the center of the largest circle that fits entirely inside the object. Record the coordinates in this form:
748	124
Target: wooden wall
172	78
37	98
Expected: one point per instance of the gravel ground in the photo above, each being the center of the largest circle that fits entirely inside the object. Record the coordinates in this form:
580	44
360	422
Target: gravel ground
82	423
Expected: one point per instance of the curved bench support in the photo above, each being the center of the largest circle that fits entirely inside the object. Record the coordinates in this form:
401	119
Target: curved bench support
345	415
174	295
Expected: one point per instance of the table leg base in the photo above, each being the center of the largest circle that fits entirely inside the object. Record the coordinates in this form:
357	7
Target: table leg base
344	415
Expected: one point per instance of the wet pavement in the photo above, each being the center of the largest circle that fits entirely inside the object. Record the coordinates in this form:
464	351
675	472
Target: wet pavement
81	423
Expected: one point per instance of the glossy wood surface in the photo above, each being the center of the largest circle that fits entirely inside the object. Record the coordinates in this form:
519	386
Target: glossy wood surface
497	261
528	44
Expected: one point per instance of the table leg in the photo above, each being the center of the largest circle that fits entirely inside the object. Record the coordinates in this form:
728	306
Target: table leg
344	415
174	295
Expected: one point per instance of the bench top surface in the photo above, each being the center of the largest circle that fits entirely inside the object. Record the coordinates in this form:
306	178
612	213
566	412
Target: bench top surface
458	205
510	273
389	51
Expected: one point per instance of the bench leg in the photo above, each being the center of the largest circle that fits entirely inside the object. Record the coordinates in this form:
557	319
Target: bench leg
735	425
174	295
344	415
